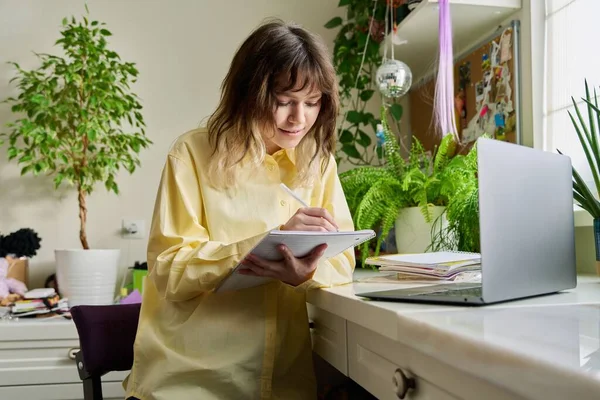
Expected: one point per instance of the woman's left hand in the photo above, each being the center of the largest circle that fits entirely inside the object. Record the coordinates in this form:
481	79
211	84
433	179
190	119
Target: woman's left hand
291	270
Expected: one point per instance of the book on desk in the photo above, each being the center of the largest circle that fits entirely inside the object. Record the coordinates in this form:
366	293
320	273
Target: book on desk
443	265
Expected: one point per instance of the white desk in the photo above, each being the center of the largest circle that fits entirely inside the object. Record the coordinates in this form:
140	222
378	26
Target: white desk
546	347
542	348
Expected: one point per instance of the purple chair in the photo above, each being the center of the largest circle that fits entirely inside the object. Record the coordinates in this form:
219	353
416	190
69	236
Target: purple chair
106	337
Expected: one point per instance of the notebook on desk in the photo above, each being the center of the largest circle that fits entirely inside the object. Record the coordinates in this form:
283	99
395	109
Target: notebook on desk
443	265
428	260
526	223
301	243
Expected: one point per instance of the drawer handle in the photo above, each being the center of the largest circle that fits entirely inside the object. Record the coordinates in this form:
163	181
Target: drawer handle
402	383
72	352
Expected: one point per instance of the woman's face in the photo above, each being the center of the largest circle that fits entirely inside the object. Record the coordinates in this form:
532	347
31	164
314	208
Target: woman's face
295	114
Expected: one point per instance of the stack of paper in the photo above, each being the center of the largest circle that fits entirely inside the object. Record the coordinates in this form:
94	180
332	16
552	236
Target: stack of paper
34	306
445	265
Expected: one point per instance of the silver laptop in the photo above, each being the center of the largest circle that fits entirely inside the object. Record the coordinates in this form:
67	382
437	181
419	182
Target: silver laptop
527	229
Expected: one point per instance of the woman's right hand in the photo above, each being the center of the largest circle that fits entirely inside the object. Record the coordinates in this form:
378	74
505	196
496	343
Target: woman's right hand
311	219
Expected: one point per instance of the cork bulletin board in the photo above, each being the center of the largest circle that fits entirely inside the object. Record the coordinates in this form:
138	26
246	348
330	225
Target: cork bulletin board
486	89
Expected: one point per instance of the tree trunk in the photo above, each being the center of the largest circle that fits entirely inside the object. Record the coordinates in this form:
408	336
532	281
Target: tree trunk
82	220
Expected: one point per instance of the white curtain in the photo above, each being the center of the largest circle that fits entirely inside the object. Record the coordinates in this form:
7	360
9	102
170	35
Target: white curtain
572	31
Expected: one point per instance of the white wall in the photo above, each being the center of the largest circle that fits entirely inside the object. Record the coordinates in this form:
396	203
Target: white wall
182	49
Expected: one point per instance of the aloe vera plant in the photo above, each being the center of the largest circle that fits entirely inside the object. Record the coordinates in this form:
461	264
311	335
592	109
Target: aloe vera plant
588	133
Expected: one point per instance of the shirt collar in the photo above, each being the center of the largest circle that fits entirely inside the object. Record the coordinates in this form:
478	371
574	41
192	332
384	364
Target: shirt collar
290	154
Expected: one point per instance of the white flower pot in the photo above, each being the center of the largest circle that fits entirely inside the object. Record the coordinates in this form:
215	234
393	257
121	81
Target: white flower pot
87	276
413	234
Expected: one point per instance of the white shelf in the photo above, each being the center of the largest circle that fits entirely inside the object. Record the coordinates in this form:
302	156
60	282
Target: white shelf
472	20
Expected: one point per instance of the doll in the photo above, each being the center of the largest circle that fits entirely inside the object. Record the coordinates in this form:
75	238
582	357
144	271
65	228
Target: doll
22	243
11	289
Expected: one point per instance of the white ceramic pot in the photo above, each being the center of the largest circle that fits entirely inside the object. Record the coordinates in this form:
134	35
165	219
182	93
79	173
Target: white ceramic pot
413	234
87	276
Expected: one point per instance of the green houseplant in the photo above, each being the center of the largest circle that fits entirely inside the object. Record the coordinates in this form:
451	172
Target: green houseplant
356	57
376	195
462	207
78	121
588	132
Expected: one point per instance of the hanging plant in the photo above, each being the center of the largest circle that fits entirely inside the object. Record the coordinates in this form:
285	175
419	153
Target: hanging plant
356	58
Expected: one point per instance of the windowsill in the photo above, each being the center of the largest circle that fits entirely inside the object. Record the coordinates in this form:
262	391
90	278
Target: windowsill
582	217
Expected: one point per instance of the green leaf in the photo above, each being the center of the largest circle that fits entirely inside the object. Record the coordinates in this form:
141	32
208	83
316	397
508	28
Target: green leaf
396	111
37	98
334	22
367	118
354	117
351	151
346	136
366	95
343	3
65	22
12	153
586	144
594	206
364	140
341	51
135	146
25	158
57	180
105	32
91	134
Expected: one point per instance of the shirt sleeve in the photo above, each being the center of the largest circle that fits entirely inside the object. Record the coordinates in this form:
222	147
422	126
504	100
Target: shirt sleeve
182	260
336	270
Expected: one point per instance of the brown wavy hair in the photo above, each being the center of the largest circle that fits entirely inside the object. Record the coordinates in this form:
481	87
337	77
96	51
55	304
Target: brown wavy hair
275	58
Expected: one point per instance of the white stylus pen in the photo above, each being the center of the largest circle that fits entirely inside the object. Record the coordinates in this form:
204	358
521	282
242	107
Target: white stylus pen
294	195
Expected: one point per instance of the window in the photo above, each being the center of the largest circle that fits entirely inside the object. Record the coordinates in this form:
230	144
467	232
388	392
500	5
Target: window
572	27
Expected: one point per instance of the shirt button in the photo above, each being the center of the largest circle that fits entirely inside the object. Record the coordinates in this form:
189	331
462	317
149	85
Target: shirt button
282	202
270	168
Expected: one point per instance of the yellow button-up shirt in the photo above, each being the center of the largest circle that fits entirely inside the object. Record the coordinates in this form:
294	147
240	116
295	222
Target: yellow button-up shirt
254	343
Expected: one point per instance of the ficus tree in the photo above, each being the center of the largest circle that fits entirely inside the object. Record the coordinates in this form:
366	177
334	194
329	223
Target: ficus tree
77	118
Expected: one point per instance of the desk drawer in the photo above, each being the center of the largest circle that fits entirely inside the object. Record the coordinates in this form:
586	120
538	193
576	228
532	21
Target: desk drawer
70	391
329	338
374	361
42	362
38	362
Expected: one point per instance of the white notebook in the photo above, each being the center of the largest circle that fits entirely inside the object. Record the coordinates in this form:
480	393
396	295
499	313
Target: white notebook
301	243
426	260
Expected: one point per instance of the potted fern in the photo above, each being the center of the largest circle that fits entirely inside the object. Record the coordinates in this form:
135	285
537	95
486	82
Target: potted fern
588	132
409	195
461	231
71	116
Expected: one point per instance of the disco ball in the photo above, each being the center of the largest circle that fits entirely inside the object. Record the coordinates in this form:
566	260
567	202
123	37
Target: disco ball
394	78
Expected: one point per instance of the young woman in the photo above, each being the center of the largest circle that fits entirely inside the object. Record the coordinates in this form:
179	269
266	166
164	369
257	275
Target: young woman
219	194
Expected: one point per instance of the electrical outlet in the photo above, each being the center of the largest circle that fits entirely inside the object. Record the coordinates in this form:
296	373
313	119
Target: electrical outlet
133	228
